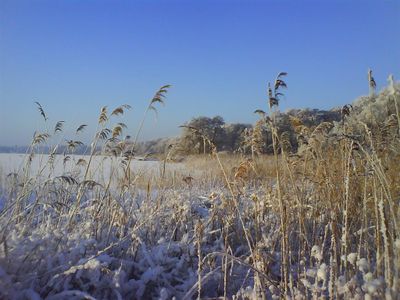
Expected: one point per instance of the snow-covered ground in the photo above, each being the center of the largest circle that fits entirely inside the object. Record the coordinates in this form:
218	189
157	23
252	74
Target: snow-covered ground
63	240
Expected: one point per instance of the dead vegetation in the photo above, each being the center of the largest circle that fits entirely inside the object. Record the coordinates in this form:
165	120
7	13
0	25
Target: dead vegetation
319	220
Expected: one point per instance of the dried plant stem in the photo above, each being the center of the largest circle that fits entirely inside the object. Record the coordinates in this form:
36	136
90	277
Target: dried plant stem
345	234
386	245
282	210
226	233
377	232
199	235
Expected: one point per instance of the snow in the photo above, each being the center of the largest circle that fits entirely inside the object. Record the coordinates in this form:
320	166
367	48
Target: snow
322	273
142	244
363	265
372	286
351	258
101	166
397	244
316	252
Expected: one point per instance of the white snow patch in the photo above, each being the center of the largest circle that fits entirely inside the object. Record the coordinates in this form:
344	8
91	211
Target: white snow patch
322	273
363	265
316	252
351	258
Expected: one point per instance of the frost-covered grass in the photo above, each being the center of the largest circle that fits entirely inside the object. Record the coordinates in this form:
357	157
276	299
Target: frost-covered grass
320	223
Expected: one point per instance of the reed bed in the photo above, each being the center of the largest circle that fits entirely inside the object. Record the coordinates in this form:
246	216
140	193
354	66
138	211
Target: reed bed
321	222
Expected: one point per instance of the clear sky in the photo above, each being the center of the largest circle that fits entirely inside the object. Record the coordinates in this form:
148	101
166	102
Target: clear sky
75	56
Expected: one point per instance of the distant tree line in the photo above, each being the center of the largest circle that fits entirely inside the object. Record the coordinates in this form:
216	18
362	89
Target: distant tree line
377	111
199	133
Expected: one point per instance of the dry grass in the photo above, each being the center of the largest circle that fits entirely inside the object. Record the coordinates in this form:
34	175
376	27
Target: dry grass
319	223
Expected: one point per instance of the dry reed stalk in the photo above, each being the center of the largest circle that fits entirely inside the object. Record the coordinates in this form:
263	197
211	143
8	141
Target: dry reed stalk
225	261
199	236
386	245
333	259
159	97
346	212
274	101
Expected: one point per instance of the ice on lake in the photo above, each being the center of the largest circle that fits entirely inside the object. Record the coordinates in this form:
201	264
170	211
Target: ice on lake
101	167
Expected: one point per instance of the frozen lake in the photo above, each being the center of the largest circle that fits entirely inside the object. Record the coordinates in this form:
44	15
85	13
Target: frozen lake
101	167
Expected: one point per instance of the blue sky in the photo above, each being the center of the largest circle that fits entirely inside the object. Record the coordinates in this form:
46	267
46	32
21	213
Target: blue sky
76	56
